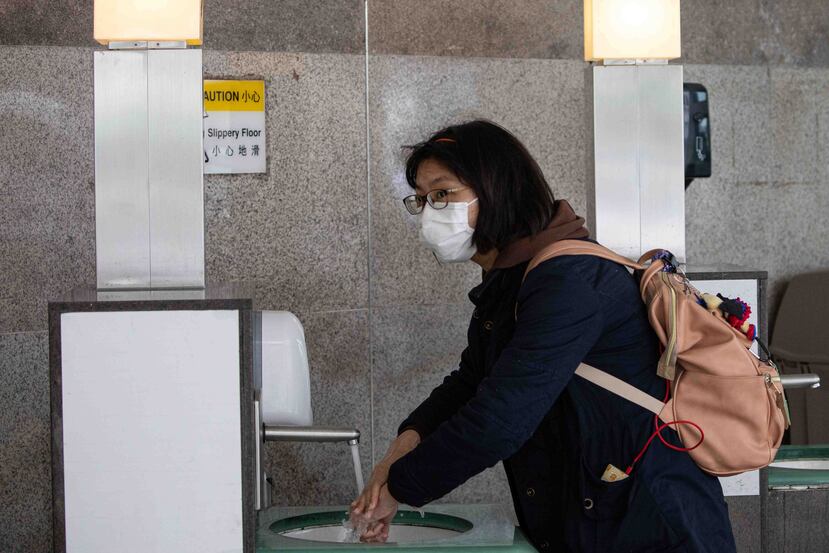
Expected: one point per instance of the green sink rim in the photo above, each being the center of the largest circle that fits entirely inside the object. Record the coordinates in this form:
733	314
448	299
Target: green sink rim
402	518
785	477
802	452
780	477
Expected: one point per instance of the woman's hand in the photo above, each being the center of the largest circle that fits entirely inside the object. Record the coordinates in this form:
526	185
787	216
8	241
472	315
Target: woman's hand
379	519
367	501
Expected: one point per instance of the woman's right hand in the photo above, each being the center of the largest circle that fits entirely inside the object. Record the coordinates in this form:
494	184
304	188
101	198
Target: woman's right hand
367	500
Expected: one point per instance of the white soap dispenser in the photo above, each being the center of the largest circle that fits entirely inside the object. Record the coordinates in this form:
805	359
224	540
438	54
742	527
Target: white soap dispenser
286	384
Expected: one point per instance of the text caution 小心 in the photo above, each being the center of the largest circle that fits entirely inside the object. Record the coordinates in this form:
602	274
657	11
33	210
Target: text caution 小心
234	127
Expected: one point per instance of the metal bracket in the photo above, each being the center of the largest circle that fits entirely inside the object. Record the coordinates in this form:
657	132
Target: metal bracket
147	45
259	501
635	62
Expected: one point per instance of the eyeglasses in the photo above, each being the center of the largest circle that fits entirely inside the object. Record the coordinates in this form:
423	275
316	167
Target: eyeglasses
438	199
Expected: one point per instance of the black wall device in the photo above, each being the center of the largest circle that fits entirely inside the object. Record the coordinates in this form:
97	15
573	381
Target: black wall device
697	132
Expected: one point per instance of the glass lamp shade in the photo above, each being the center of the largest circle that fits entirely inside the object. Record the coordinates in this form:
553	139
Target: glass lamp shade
631	29
148	20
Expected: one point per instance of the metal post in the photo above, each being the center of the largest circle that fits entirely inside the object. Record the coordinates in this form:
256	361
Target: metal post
636	198
149	199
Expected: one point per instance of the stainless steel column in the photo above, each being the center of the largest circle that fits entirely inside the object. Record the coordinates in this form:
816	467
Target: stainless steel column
122	196
148	168
636	199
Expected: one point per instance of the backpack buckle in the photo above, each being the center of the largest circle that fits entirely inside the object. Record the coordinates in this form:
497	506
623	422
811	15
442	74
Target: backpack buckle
669	259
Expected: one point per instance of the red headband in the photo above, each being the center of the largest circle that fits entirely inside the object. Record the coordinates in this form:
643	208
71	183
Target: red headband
444	140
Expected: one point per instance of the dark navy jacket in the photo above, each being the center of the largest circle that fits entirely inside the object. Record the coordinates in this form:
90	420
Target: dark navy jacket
515	398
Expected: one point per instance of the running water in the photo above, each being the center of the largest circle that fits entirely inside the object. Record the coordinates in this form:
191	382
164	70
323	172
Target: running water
352	530
358	467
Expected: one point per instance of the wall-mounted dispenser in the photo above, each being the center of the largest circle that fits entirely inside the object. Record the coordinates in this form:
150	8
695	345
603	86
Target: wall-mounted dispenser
697	126
285	380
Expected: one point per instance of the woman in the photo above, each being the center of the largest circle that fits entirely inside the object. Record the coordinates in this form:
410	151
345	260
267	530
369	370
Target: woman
514	398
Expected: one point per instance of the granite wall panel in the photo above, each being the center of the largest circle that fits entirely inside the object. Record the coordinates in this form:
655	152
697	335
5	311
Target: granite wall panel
804	519
25	454
799	99
412	97
477	28
297	233
334	26
46	22
331	26
800	233
796	31
794	521
47	186
744	512
738	32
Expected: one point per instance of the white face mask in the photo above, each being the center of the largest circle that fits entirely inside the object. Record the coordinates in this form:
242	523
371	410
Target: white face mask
447	232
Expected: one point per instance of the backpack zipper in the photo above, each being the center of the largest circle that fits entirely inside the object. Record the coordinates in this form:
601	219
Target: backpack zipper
782	403
669	358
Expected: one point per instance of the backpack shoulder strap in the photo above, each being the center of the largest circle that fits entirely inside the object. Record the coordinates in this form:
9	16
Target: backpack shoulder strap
620	388
592	374
581	247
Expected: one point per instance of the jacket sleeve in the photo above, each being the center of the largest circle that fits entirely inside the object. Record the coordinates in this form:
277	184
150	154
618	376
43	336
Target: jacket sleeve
445	400
558	322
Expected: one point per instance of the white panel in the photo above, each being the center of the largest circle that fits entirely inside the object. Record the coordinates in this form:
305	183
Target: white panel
176	155
151	430
122	215
745	289
747	483
616	150
661	159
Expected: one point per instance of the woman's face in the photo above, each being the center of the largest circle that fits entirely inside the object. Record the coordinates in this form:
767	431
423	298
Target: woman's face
434	175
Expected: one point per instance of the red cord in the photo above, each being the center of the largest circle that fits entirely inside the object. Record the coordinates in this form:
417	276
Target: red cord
658	432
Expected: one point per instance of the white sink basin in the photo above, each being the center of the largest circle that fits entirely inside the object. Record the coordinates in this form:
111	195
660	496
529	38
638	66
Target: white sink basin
320	530
397	534
407	527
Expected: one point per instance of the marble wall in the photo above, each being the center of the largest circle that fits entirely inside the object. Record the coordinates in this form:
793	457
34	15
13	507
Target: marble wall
735	32
324	233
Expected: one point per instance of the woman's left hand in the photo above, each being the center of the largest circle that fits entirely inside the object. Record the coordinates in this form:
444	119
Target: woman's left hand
379	519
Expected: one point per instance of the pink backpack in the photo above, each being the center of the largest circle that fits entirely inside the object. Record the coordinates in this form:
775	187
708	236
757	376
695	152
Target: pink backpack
726	404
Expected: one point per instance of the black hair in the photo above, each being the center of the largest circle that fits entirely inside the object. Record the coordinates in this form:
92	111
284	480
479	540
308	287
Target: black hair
514	197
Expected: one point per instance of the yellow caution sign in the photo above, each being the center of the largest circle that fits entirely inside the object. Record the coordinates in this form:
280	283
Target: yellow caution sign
234	96
234	127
